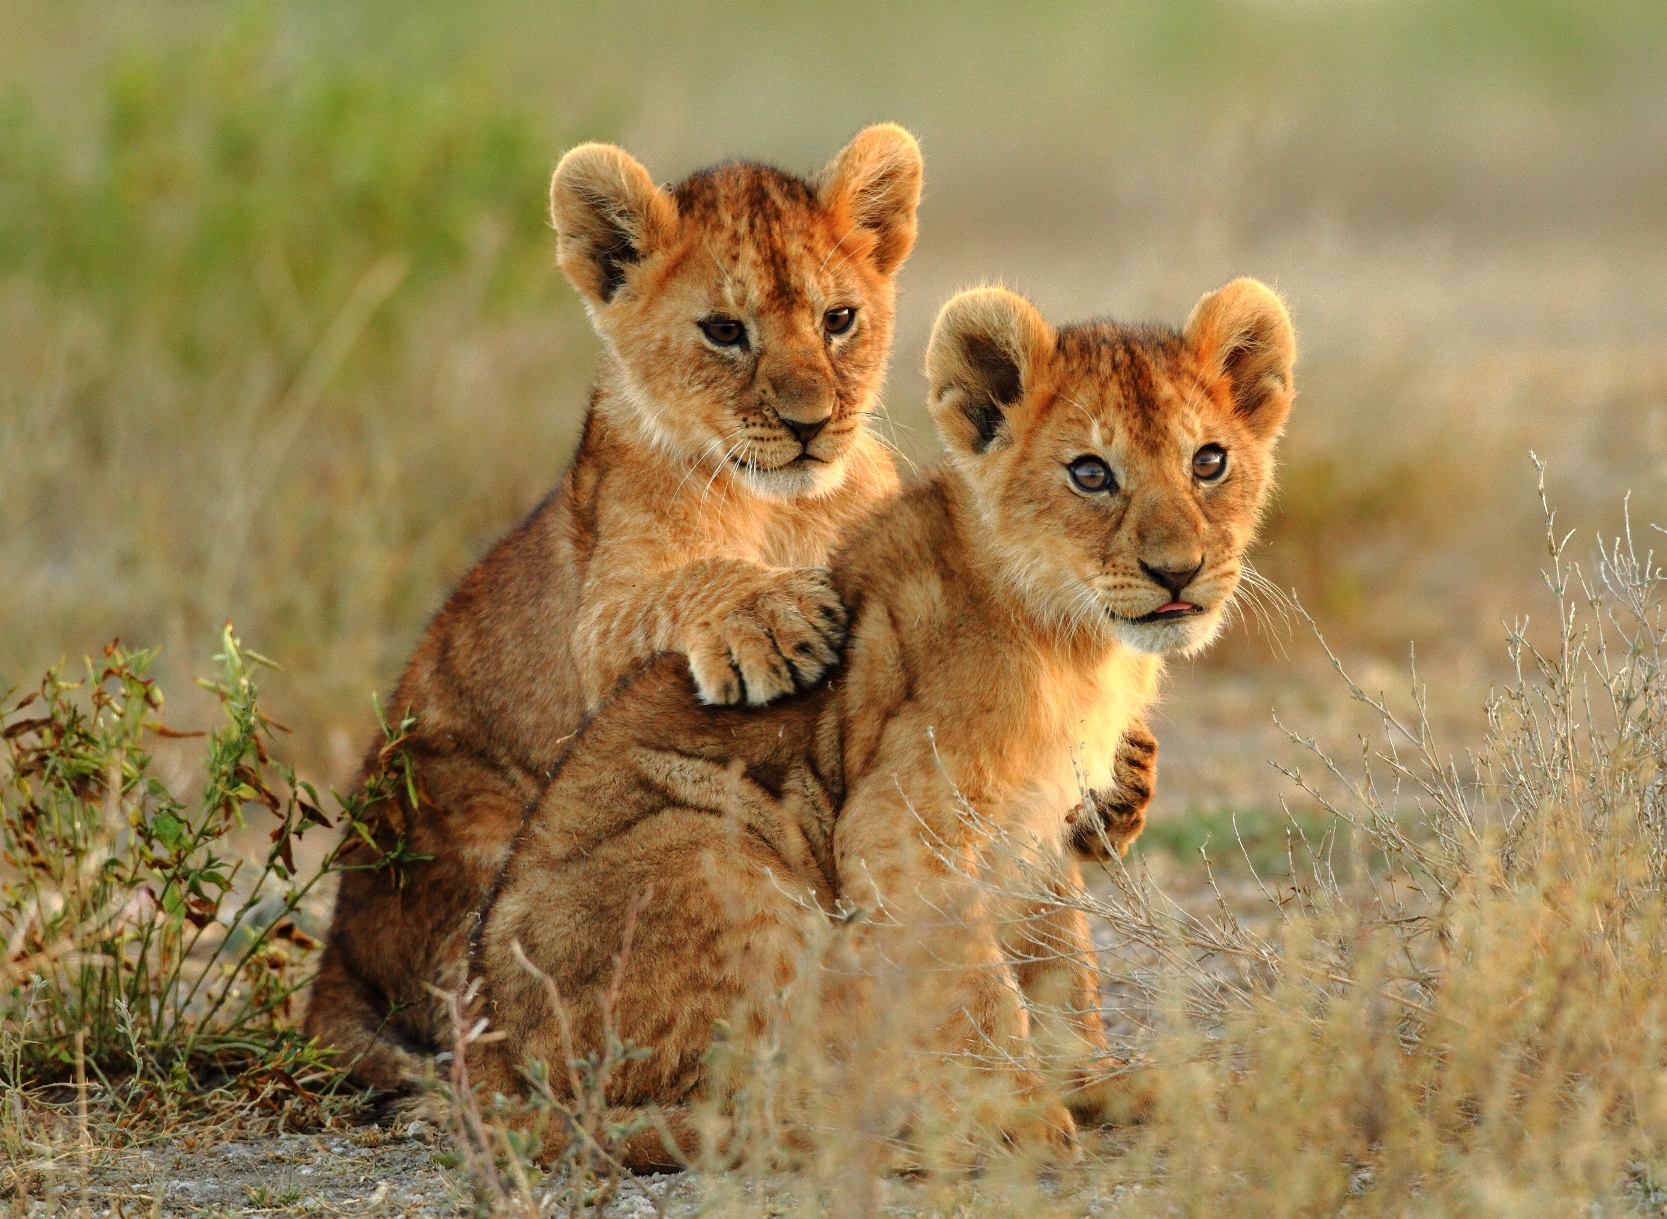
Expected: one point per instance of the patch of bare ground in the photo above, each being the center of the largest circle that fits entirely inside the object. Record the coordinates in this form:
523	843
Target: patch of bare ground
401	1169
364	1171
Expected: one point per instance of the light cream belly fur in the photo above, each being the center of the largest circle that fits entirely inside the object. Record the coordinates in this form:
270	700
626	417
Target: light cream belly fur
1085	719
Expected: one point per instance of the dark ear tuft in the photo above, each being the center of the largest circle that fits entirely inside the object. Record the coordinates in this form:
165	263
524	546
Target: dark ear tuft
874	184
997	370
608	215
998	366
1242	332
980	363
614	259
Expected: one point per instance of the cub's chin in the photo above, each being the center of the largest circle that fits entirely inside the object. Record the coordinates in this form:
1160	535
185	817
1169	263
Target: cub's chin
1169	636
804	478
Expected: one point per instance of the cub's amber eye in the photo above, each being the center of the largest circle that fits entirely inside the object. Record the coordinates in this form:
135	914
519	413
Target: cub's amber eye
724	331
1209	463
1091	474
838	321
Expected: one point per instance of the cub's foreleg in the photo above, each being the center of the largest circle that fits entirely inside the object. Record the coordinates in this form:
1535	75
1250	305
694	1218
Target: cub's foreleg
752	633
929	969
1058	969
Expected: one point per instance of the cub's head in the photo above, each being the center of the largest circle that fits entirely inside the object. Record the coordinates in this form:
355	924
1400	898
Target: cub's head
1119	471
749	312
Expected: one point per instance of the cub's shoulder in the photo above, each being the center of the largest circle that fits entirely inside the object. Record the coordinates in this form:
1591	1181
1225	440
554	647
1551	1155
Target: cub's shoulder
906	548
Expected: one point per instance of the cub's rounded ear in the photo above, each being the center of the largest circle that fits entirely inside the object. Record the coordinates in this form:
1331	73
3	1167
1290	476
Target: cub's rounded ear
874	184
986	352
1242	332
608	216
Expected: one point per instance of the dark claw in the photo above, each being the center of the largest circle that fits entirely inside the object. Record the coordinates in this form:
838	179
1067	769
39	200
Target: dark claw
740	678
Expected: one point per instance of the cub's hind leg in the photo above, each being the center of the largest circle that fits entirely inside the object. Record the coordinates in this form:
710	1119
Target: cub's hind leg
718	924
344	1017
1058	970
402	918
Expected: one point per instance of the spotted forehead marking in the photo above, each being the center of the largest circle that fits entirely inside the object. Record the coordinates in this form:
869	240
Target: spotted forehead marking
763	220
1143	373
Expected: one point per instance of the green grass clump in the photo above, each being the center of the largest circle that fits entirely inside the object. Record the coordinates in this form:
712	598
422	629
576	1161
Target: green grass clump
148	944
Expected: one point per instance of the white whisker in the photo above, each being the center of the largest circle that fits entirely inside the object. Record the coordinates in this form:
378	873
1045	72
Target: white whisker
892	448
719	468
712	444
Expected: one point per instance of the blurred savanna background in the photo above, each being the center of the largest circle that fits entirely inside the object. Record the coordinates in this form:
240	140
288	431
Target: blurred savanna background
281	339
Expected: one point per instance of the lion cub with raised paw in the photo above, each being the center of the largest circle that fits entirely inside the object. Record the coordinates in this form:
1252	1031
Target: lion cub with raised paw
1009	615
746	319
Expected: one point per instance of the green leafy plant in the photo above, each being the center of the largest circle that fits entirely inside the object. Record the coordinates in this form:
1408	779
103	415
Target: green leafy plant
144	941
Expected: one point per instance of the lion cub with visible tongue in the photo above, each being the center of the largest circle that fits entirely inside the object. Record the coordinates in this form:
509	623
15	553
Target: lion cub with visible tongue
746	319
1009	614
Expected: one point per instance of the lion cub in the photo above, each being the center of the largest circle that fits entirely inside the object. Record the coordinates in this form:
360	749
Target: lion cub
746	319
1009	615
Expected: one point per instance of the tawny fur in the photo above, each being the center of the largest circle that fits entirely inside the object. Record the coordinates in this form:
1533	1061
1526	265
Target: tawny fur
709	489
1000	648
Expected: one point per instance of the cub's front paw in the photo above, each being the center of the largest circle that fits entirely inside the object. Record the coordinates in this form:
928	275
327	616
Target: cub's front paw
1109	821
1113	1092
1047	1134
779	639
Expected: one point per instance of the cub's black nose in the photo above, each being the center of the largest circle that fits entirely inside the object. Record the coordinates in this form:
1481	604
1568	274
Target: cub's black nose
1173	579
804	433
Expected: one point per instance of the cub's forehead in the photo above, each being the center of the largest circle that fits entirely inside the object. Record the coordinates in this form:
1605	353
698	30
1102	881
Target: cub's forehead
739	204
762	228
1137	382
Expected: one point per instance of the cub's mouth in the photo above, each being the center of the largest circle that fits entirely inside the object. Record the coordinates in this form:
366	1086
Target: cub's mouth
1170	612
753	466
802	474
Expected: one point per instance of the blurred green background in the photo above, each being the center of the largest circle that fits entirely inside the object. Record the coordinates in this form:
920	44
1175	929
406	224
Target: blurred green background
281	337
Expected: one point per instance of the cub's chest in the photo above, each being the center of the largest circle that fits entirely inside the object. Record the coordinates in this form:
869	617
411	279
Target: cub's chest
1079	721
802	534
731	522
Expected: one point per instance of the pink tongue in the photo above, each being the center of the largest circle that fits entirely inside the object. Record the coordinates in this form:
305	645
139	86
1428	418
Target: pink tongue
1172	607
